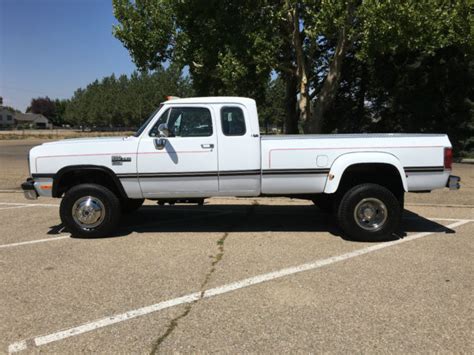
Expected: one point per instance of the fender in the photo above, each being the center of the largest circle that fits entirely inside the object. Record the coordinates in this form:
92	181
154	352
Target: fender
92	168
346	160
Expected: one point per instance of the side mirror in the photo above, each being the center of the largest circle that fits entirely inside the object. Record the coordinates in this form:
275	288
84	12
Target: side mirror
160	143
163	130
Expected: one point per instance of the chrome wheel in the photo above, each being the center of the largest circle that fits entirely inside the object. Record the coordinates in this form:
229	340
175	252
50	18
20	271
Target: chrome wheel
370	214
88	212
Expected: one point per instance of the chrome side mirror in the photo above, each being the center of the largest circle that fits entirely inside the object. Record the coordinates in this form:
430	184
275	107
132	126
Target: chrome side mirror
163	130
160	143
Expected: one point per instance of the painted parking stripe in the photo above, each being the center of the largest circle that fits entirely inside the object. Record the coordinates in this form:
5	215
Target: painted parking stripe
197	217
187	219
117	318
438	205
13	207
28	204
33	242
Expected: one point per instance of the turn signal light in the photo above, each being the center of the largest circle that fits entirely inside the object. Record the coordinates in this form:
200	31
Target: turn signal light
448	158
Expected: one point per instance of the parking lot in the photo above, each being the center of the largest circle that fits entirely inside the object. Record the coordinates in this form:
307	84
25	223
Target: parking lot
234	275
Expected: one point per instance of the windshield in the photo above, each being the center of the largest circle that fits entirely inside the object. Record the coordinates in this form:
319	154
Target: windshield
145	124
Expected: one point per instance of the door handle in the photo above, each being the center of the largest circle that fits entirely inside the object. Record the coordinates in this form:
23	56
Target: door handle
207	146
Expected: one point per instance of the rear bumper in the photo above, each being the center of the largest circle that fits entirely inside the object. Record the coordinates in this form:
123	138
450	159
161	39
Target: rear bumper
29	190
454	182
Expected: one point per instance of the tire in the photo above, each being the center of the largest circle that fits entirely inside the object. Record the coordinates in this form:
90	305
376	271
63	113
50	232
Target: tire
369	212
97	202
130	205
325	203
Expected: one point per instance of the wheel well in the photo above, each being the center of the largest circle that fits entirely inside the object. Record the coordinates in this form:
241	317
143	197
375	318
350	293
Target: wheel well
378	173
70	177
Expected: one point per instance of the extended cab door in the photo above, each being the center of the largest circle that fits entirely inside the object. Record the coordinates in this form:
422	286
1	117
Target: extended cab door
239	150
186	164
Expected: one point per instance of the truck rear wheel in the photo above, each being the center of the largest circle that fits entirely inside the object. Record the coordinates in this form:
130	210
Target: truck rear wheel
369	212
90	210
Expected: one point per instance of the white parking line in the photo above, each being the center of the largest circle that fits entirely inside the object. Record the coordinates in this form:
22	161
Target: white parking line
13	207
33	242
29	204
63	237
100	323
439	205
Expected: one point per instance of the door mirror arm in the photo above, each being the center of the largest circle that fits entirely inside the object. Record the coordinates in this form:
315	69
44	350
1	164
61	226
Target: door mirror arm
163	130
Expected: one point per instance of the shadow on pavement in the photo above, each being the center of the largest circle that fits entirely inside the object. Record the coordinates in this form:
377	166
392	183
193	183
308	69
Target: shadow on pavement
246	218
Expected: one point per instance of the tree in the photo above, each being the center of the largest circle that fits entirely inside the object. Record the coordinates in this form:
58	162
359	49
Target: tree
124	101
305	41
42	105
53	110
273	111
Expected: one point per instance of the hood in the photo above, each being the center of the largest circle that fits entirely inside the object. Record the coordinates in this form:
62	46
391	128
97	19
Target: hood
88	140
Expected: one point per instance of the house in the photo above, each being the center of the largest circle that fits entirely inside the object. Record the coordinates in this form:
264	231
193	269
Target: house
32	120
7	118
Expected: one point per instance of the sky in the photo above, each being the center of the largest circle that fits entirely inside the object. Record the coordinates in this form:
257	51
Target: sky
53	47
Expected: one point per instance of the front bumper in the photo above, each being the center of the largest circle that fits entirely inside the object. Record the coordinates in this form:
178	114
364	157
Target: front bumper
37	186
453	182
29	190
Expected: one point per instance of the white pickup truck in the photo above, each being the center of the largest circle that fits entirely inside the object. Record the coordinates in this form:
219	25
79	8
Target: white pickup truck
211	146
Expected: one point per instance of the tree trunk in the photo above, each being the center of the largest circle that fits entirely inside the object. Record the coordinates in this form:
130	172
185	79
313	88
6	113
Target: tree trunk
291	116
331	83
302	71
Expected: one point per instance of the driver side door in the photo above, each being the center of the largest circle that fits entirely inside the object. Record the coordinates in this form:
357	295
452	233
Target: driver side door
183	164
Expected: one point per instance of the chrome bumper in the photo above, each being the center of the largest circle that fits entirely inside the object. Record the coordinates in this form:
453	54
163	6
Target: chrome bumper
29	190
453	182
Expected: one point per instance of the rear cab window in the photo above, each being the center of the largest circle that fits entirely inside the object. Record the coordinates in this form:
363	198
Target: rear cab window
233	121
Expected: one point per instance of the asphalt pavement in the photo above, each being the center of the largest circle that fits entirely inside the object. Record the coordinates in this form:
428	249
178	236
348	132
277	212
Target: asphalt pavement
236	275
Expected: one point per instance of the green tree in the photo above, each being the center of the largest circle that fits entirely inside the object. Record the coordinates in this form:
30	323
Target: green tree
232	47
124	101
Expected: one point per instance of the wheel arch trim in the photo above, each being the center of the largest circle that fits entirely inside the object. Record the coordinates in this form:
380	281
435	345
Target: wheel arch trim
85	168
345	161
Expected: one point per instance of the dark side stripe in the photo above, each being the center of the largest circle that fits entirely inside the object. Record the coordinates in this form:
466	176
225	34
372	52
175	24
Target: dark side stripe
423	169
224	173
294	171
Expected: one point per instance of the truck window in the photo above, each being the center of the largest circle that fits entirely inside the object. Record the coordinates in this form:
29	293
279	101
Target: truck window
185	122
233	121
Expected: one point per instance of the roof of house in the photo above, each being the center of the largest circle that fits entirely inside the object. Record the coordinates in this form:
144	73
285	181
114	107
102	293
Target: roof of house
31	117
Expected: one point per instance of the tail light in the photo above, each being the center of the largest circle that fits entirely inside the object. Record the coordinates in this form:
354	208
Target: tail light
448	158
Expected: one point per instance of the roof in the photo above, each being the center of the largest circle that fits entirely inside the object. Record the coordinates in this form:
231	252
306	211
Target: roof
31	117
212	100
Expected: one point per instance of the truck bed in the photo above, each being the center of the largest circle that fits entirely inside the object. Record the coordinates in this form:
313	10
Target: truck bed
289	160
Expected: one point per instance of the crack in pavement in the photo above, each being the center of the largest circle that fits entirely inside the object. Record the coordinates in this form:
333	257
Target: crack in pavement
215	260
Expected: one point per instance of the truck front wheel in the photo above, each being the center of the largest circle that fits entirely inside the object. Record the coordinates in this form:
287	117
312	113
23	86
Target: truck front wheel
90	210
369	212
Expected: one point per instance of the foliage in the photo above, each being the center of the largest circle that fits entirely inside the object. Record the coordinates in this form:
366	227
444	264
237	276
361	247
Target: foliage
272	112
124	101
231	47
53	110
409	93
